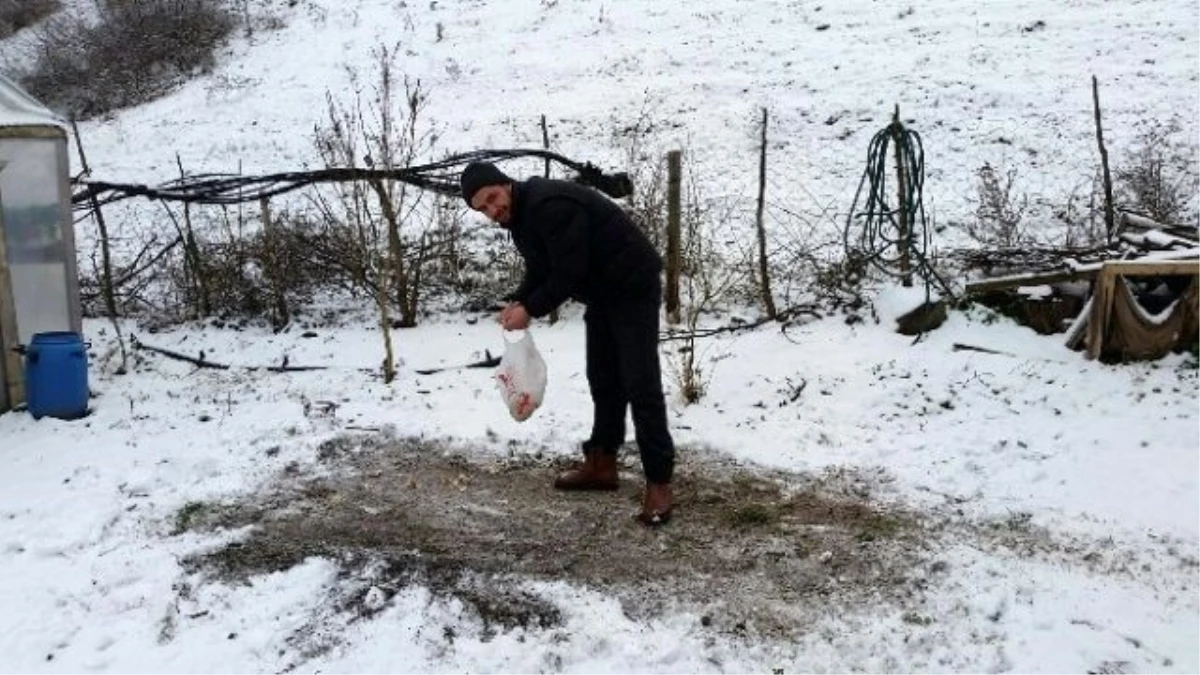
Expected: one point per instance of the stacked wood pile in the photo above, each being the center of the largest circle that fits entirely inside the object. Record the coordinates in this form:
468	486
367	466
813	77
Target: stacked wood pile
1136	299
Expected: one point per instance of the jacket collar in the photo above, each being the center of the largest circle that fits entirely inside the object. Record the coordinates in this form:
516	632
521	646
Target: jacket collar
516	209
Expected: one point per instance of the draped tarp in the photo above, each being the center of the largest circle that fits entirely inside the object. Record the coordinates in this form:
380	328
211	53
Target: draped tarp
1120	329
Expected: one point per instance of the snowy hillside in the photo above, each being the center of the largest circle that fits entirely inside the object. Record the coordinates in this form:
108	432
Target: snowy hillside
1006	83
849	499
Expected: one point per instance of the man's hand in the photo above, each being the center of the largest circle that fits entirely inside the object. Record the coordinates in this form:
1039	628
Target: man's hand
514	317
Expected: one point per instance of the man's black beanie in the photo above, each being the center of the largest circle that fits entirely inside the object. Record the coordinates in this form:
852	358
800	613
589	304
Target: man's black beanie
479	175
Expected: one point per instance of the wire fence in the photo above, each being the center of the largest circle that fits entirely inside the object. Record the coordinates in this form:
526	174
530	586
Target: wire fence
988	181
993	181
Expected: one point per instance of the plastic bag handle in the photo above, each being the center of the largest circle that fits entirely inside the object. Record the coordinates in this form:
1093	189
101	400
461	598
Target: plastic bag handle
504	332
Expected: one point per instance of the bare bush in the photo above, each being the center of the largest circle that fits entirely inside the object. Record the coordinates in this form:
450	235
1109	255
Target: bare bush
646	166
712	276
390	221
1160	179
1082	215
1000	209
130	53
18	14
243	272
135	282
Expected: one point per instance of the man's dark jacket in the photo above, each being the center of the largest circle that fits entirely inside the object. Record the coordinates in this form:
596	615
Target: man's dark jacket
577	244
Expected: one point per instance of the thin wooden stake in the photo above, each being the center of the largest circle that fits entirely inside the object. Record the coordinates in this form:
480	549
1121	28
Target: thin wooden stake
12	384
674	240
901	202
1109	218
763	274
106	280
546	145
272	242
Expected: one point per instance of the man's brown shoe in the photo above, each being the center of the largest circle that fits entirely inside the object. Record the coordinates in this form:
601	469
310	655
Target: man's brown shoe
657	505
598	471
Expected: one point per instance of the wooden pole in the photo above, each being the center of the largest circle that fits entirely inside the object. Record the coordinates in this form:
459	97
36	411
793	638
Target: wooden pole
546	145
763	273
191	252
106	280
674	241
1109	218
12	380
271	244
106	285
1101	310
901	201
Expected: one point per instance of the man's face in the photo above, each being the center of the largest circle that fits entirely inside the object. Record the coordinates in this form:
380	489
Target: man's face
495	202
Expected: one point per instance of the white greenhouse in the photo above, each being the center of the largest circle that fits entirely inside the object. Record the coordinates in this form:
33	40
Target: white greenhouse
39	286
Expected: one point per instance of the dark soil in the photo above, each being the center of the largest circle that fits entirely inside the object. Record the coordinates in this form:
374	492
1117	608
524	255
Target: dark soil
748	549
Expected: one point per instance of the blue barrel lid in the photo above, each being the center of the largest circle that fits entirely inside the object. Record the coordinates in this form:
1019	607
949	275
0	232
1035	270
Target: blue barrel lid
56	337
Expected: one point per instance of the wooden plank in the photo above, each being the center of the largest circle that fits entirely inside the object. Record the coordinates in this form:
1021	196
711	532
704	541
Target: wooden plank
33	131
1166	263
1031	279
1079	326
1142	268
1101	308
1143	223
12	380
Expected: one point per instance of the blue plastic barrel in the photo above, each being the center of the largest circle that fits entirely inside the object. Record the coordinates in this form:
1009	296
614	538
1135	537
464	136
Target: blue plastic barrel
56	378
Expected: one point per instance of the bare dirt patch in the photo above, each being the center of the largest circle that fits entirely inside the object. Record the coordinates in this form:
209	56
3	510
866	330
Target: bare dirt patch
750	551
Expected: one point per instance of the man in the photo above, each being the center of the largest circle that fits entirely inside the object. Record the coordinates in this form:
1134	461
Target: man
578	244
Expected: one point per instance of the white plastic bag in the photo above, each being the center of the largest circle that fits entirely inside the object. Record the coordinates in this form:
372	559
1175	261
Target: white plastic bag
521	376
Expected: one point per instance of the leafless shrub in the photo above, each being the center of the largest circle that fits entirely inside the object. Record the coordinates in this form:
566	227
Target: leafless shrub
999	210
804	246
241	271
1082	216
1160	178
839	285
18	14
130	53
389	221
712	276
646	165
136	281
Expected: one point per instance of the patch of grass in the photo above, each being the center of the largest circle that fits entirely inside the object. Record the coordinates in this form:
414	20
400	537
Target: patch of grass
188	515
878	526
508	608
916	619
752	515
398	516
1193	360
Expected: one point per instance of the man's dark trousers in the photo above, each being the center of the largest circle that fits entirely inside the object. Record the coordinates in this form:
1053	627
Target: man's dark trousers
623	371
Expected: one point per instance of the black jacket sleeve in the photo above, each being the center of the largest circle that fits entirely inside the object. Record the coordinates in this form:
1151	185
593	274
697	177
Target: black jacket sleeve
522	291
563	225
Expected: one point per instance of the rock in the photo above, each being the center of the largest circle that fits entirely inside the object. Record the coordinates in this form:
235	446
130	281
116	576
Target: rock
927	317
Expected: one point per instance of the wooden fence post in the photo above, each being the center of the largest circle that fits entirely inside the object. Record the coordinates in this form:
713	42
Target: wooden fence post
674	223
763	273
12	383
106	277
1109	219
902	206
546	145
271	245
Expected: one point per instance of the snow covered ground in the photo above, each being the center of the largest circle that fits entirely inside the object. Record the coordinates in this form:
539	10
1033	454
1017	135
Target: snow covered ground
1038	441
1102	456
